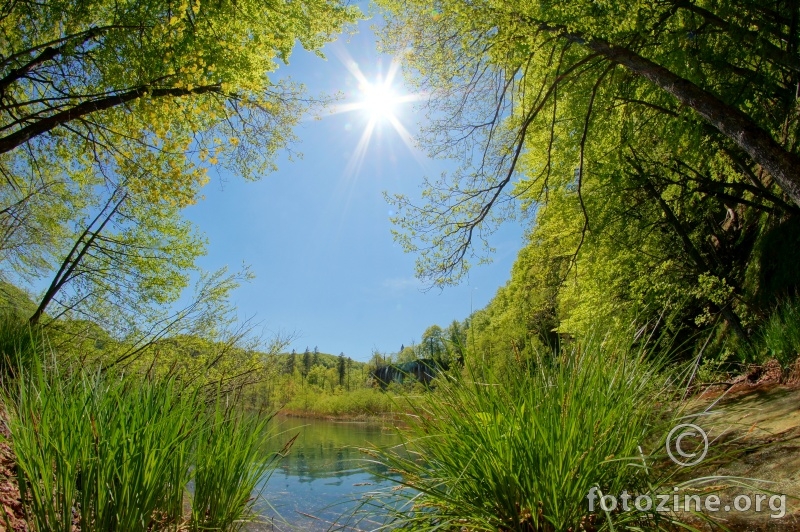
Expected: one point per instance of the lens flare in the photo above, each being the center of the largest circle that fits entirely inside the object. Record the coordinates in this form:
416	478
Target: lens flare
379	102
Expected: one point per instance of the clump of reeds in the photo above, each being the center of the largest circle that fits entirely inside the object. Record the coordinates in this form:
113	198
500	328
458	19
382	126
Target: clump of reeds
112	452
524	451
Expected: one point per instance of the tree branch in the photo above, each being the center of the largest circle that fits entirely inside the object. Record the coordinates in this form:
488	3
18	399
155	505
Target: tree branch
784	166
23	135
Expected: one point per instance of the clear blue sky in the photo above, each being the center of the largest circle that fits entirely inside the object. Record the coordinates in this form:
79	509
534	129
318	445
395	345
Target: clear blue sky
317	232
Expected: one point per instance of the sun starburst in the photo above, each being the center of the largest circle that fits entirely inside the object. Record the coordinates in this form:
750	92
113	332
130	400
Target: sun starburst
380	101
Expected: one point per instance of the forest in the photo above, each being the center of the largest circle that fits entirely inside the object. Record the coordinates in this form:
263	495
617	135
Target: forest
648	149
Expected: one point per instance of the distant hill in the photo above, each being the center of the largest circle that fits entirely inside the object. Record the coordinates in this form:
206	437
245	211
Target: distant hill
18	302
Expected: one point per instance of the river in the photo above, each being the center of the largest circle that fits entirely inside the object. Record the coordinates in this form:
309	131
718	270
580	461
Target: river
319	484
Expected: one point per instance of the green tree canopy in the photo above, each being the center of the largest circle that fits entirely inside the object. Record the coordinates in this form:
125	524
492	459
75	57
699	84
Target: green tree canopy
111	113
152	91
537	96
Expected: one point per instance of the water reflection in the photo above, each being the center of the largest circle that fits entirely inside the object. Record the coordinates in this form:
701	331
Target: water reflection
319	484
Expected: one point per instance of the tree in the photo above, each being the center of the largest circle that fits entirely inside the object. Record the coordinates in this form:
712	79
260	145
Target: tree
456	340
315	357
141	88
110	115
433	343
406	354
534	97
377	360
128	258
306	368
670	127
120	270
317	376
291	362
341	368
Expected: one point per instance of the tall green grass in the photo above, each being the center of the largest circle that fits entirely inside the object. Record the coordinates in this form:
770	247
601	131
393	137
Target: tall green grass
111	452
523	452
229	462
779	337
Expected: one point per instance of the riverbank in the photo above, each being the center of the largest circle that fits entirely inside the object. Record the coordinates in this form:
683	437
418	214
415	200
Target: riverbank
359	404
13	518
758	423
754	447
389	418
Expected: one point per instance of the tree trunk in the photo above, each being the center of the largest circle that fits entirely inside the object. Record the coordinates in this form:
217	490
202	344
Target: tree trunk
74	257
725	310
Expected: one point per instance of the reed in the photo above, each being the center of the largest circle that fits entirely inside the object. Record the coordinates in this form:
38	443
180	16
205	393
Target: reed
230	460
522	453
113	452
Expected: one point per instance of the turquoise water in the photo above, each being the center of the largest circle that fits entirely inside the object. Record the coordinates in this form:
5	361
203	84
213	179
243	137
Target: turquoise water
324	479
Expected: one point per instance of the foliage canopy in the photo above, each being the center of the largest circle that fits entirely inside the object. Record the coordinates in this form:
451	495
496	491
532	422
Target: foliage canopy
654	145
111	114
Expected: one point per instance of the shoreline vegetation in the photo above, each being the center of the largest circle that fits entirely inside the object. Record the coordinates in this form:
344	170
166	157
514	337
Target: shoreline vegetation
517	411
379	419
467	427
104	450
651	150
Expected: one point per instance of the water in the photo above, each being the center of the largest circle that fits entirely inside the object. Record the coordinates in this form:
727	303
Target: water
324	475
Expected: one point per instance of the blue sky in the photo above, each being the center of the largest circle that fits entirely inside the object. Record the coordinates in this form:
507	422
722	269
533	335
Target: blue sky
316	234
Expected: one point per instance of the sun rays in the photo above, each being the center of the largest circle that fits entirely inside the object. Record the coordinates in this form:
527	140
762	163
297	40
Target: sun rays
380	102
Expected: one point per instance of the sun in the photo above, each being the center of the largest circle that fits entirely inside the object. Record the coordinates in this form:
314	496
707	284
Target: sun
380	103
378	100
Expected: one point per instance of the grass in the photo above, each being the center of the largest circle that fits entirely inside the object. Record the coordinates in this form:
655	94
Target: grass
119	452
229	462
779	337
524	452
